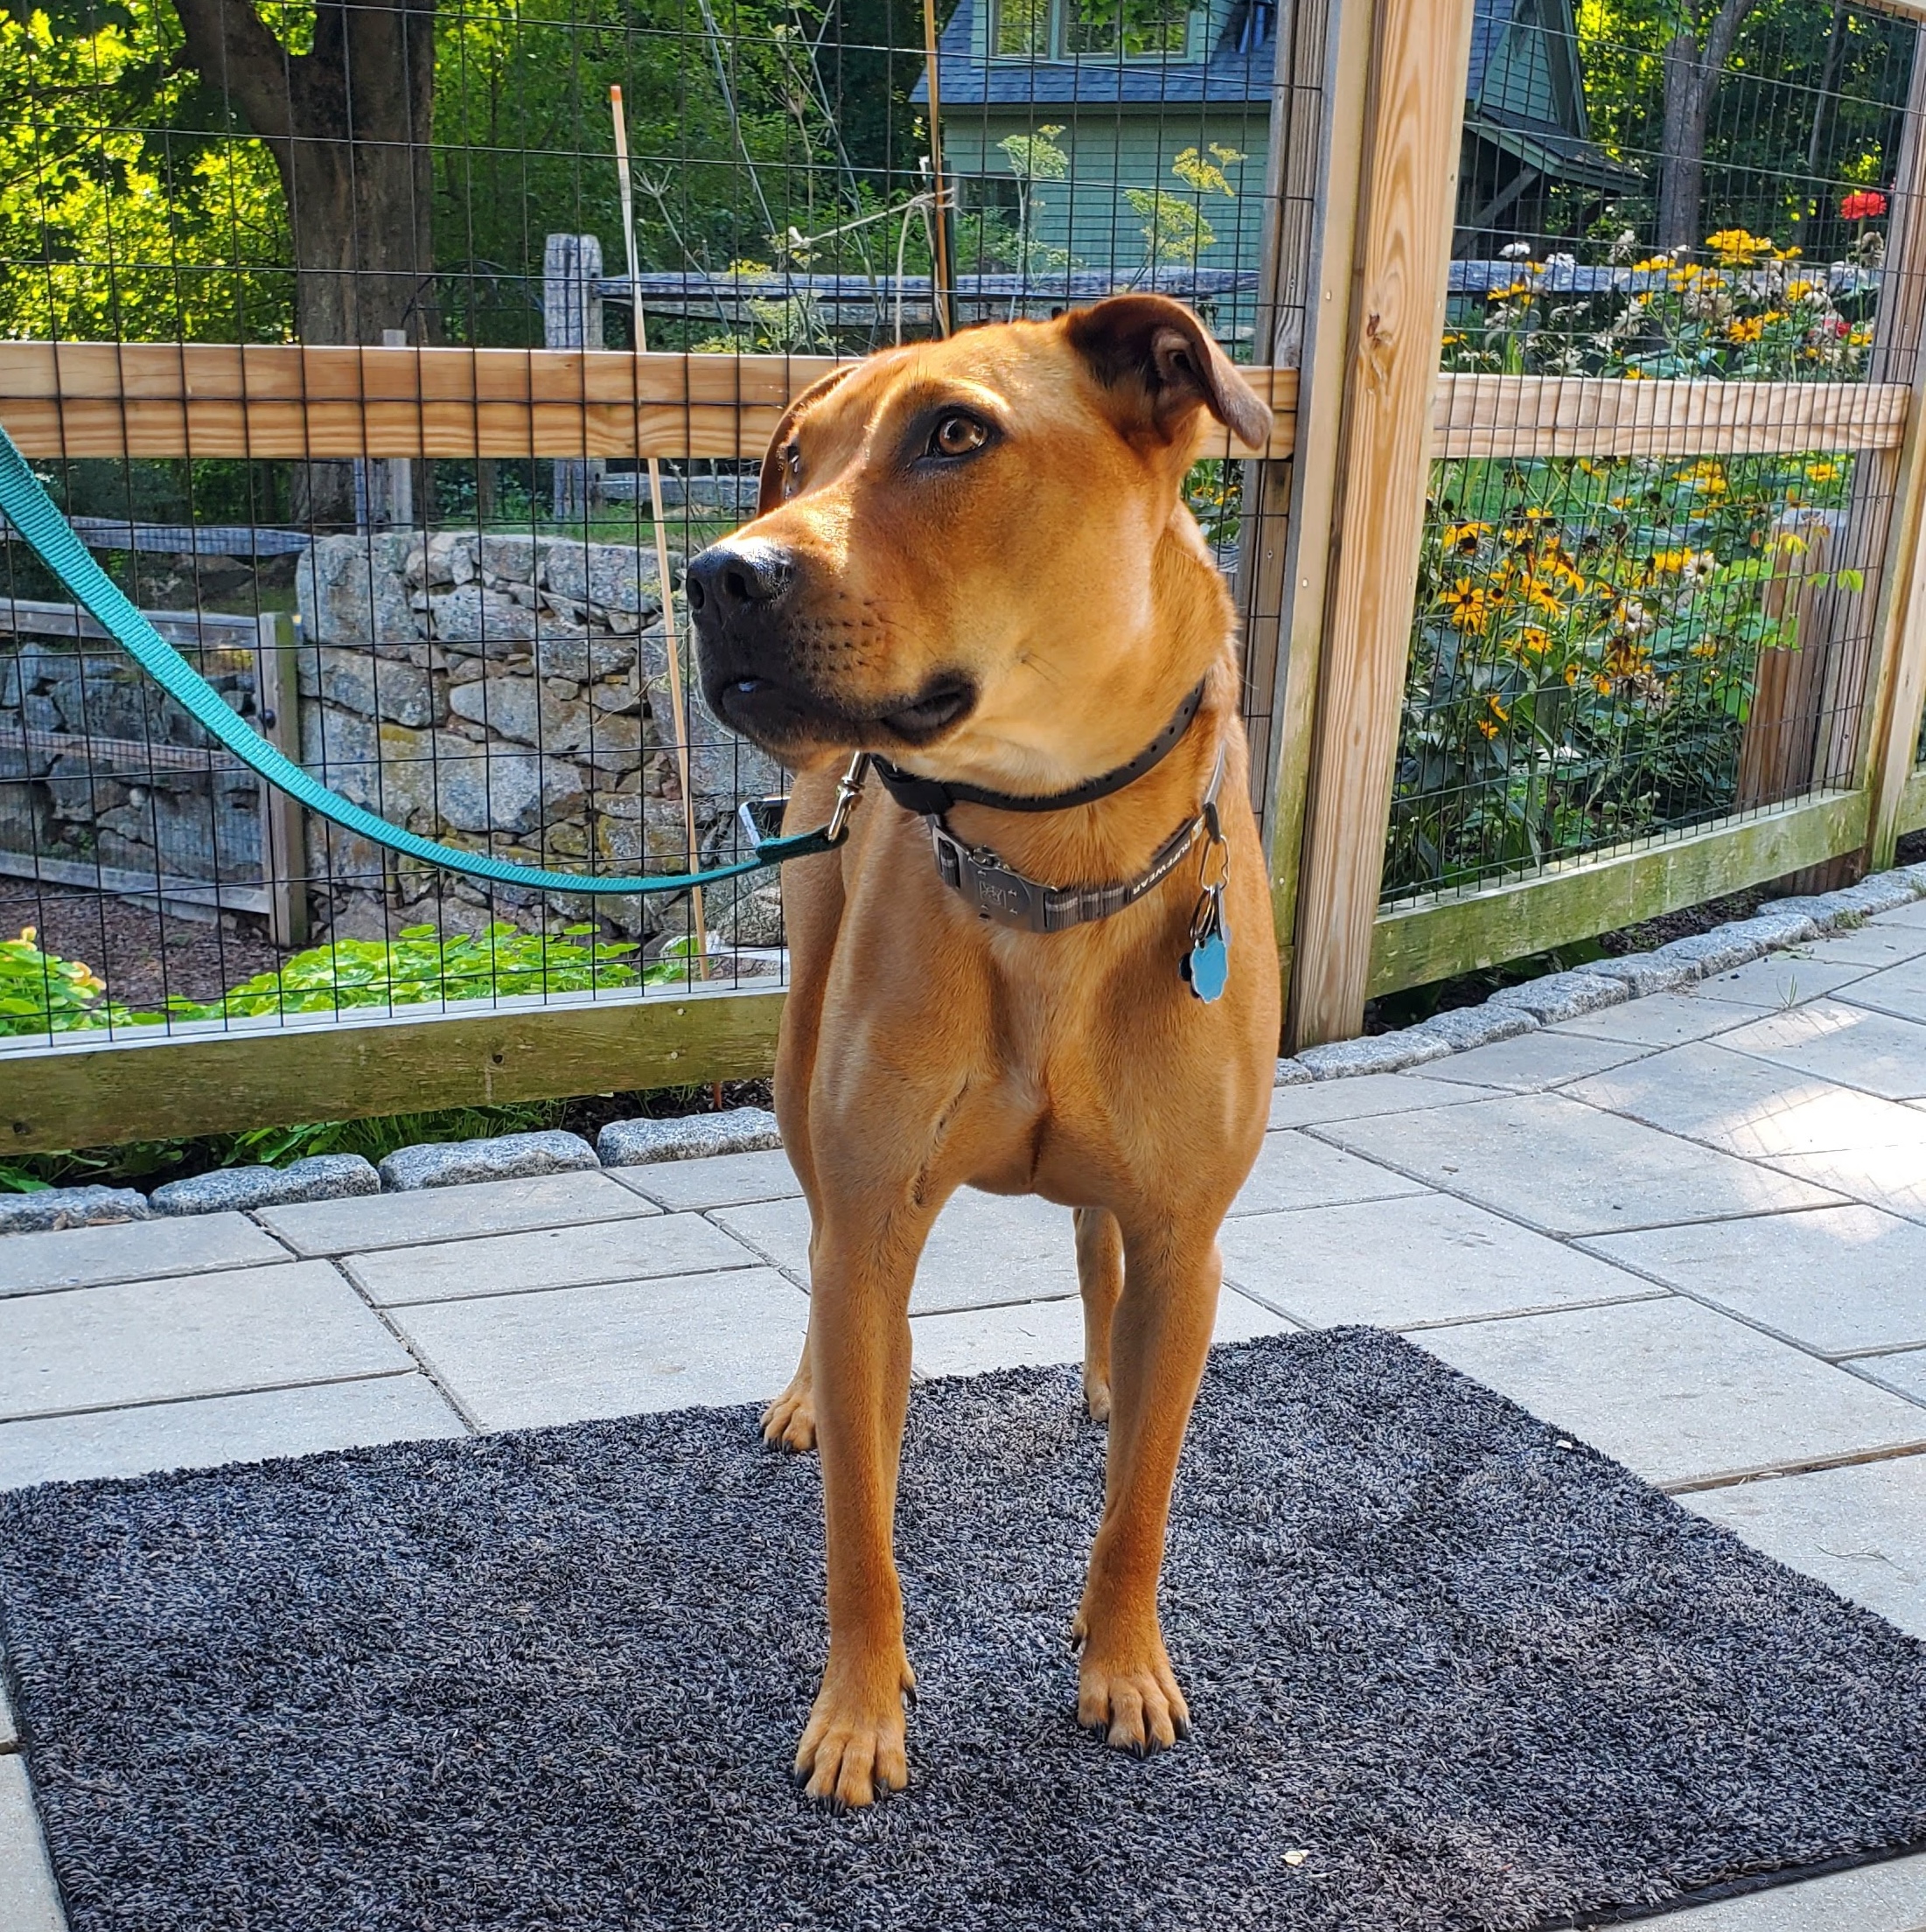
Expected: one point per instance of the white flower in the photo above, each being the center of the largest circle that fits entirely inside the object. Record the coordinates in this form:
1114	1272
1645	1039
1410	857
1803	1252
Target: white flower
1516	251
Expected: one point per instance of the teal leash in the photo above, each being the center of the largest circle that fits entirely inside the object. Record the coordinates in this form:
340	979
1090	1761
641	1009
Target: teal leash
32	513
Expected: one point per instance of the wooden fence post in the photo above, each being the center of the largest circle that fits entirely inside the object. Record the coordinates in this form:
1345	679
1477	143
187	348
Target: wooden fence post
1419	53
284	846
1317	128
571	318
1896	690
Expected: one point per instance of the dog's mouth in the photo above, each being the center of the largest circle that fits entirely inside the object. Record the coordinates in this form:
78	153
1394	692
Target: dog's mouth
781	716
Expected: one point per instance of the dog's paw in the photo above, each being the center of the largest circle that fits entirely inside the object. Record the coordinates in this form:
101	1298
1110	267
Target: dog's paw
789	1422
855	1741
1097	1397
1135	1701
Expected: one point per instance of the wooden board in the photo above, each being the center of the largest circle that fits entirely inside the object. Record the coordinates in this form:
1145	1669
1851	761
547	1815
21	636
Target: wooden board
1419	61
1481	415
287	402
1911	816
1437	938
90	1092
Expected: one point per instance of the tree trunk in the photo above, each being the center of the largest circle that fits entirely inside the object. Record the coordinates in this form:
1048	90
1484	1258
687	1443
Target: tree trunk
1688	109
1691	73
1823	108
349	125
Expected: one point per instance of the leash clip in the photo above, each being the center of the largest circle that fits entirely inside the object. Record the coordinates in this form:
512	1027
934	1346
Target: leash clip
848	790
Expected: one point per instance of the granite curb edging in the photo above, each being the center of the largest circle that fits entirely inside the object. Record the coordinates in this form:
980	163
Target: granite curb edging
1506	1015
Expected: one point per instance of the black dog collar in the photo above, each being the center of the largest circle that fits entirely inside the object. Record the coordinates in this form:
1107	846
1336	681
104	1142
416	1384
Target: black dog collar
931	798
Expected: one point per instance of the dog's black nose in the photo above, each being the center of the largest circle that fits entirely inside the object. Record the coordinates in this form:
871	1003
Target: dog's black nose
735	577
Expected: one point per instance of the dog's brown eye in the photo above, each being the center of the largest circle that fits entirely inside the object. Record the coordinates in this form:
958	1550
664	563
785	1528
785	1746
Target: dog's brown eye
958	436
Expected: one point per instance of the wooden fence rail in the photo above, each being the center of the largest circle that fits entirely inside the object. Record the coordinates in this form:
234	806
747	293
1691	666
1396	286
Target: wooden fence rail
288	402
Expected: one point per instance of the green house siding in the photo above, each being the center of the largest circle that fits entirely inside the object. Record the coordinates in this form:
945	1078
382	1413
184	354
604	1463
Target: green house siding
1112	151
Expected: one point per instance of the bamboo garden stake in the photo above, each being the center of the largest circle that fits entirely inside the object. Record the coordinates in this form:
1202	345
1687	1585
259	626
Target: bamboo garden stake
677	708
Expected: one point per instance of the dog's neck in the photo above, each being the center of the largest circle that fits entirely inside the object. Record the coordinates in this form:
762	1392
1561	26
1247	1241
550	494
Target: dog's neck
1115	837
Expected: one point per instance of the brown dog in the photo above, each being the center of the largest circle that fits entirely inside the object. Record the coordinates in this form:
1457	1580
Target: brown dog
970	558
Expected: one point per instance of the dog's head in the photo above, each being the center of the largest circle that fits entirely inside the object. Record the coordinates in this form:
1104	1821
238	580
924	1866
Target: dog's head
960	541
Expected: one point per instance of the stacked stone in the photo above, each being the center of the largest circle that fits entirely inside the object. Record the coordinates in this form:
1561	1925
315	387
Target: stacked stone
61	800
509	693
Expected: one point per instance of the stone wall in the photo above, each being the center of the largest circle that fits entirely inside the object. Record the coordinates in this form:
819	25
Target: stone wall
508	694
98	768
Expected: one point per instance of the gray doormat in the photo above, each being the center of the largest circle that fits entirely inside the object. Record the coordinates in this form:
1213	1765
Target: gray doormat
554	1679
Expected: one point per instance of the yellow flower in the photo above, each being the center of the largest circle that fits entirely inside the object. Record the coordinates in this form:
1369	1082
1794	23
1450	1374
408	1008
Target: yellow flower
1625	657
1651	263
1465	535
1541	599
1823	472
28	934
1486	726
1601	684
1738	250
1708	648
1633	375
1534	642
1862	336
1468	607
1797	291
1744	329
1497	710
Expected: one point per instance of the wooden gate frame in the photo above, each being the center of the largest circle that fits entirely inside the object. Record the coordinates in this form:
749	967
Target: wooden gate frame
1388	203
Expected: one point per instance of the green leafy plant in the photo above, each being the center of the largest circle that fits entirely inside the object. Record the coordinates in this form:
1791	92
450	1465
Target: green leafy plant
1176	232
42	993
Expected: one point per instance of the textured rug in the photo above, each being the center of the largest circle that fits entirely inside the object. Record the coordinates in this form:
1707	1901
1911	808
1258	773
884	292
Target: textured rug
1447	1669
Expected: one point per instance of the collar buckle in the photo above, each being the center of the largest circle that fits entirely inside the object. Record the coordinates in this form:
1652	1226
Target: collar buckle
990	888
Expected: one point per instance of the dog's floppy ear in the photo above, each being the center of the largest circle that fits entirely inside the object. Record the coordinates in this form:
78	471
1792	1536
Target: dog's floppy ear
769	491
1160	363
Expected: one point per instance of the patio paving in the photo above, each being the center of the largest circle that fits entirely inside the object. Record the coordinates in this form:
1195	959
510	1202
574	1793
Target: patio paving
1690	1230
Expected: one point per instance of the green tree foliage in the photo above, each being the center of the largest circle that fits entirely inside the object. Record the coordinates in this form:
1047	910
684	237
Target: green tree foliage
131	207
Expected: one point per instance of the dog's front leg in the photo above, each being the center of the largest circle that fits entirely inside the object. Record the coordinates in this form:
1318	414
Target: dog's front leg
859	1366
1159	1339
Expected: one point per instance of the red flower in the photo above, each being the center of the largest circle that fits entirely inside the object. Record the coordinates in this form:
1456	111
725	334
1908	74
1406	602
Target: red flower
1862	204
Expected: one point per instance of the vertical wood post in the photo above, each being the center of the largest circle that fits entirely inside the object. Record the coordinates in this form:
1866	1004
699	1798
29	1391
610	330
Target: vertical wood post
1317	132
283	852
571	318
1896	690
1419	54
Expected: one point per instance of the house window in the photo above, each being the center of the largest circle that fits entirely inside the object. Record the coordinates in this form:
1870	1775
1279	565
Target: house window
1072	29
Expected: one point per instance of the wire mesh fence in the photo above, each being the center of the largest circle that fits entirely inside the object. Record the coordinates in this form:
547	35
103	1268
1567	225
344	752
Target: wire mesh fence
1634	617
488	648
1667	630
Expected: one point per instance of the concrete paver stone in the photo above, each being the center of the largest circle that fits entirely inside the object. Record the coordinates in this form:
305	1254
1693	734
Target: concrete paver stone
1676	1392
1533	1063
1899	990
1834	1280
29	1900
1295	1171
1876	1898
1662	1020
133	1250
1904	1372
624	1348
1568	1169
1861	1530
226	1428
985	1250
1758	1108
1398	1264
190	1336
491	1157
1036	1333
492	1207
1785	979
631	1250
1369	1093
720	1180
1832	1040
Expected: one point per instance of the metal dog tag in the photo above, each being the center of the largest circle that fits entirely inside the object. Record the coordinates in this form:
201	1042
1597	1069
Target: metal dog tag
1207	966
